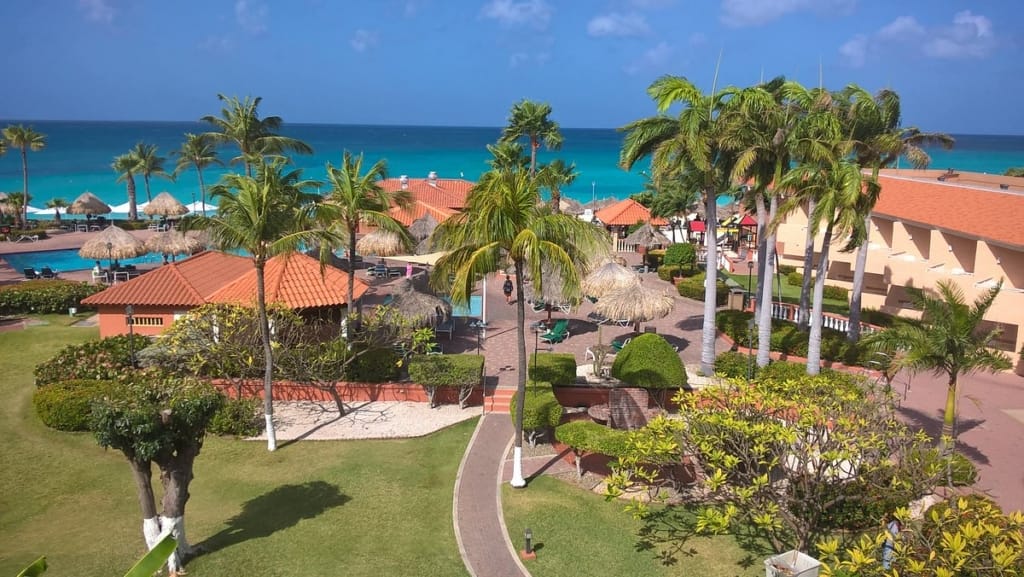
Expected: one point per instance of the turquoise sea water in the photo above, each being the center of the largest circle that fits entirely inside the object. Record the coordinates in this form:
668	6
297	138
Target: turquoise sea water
78	156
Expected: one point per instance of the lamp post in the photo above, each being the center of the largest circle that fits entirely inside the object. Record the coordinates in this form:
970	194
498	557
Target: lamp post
528	552
593	191
750	278
129	312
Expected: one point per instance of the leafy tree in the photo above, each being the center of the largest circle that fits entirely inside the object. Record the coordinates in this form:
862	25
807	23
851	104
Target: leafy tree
127	166
672	200
645	198
555	176
25	139
56	204
503	225
149	164
239	124
16	202
950	340
530	120
196	152
1017	171
159	420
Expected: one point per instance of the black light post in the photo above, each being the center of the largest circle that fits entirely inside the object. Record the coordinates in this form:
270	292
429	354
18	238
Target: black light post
129	312
536	347
528	540
750	278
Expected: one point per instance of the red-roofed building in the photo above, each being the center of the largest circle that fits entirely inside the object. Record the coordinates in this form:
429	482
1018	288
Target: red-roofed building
936	225
161	296
618	217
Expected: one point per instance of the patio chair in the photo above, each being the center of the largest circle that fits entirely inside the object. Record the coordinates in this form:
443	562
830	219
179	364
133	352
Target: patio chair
47	272
31	274
100	276
598	318
539	306
558	333
378	271
28	238
447	326
617	345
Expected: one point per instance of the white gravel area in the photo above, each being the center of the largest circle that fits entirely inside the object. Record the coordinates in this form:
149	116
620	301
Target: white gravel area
363	420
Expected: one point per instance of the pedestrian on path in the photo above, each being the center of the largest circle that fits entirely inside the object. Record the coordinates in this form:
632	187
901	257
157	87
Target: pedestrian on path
507	289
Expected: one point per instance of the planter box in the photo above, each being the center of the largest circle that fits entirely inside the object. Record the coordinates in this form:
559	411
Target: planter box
791	564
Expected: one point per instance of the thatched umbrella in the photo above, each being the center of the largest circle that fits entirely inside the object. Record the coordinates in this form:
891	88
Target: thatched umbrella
420	308
88	203
165	205
423	226
173	242
112	243
638	304
425	246
570	206
647	236
607	278
381	243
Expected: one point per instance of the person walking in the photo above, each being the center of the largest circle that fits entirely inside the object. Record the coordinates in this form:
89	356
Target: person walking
893	532
507	289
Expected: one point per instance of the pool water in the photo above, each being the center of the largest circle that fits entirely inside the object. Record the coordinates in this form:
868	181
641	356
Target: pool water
68	260
475	308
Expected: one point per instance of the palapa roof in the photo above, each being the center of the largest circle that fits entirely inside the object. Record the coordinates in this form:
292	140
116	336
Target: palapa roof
122	245
88	203
647	236
635	303
627	213
164	204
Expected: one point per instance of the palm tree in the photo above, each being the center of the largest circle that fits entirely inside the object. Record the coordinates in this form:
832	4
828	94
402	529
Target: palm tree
507	155
878	141
150	164
357	197
503	225
25	139
555	176
949	340
529	119
239	124
687	147
16	203
126	166
56	204
196	152
672	200
266	215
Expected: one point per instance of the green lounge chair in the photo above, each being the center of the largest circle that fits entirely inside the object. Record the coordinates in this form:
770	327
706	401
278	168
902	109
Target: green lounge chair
557	333
617	345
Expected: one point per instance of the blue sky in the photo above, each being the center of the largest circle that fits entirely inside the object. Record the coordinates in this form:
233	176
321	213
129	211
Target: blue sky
957	64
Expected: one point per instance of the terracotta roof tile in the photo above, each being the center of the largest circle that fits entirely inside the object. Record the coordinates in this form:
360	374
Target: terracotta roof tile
441	192
294	280
627	213
185	283
417	210
985	214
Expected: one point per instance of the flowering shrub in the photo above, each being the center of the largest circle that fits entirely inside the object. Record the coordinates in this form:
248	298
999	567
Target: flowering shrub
107	359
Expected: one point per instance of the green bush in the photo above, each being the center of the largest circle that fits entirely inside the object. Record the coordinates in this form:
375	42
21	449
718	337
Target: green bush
782	371
962	471
559	369
649	361
44	296
794	278
681	255
732	365
541	413
591	437
667	272
654	258
831	292
238	418
374	366
860	504
786	268
693	288
67	406
107	359
463	372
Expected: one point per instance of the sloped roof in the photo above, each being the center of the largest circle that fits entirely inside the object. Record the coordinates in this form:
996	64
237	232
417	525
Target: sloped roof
984	214
440	192
627	213
189	282
294	280
748	220
418	208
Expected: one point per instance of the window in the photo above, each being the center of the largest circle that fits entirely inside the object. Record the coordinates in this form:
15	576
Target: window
147	321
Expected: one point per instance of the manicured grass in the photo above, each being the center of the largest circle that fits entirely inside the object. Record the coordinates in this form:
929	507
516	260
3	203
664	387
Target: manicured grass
311	508
580	533
790	293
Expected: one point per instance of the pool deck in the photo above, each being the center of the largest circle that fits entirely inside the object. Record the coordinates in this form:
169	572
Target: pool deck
56	241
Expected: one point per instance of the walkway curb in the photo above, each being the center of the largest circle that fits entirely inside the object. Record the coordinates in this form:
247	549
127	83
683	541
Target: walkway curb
455	498
501	511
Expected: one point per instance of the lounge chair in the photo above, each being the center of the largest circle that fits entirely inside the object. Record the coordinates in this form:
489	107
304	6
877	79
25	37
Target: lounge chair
558	333
31	274
447	326
598	318
28	238
47	272
539	306
617	345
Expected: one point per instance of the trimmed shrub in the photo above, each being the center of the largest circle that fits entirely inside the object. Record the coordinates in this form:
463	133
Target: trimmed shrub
44	296
667	272
590	437
732	365
962	471
831	292
693	288
541	413
374	366
67	406
107	359
794	278
559	369
649	361
463	371
681	255
783	371
785	268
238	418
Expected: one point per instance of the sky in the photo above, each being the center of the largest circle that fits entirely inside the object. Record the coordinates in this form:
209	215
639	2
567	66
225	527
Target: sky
465	62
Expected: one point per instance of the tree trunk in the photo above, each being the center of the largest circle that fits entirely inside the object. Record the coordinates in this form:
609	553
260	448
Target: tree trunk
202	187
351	272
142	474
764	316
145	179
805	284
534	145
856	293
517	455
133	210
268	354
24	186
175	476
579	463
709	332
814	340
556	200
948	441
762	250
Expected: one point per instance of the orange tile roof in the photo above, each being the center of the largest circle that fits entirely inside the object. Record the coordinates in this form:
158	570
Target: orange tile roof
295	280
406	216
441	192
185	283
985	214
627	213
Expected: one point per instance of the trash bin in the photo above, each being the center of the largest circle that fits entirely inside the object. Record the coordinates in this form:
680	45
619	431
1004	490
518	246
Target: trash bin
736	298
791	564
72	311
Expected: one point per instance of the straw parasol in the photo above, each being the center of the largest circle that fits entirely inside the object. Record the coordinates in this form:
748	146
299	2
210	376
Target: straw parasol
381	243
607	278
173	242
638	304
112	243
423	226
165	205
420	308
88	203
646	236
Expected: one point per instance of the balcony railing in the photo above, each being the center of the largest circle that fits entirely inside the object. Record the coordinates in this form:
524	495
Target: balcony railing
790	312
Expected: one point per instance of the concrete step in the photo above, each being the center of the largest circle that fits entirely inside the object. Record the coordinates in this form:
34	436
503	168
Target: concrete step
499	400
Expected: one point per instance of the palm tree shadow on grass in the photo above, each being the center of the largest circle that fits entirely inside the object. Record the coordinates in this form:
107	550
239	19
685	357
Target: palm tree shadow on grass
669	533
271	512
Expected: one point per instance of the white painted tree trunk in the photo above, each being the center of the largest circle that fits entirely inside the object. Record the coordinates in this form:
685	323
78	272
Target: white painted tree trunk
517	468
814	339
176	527
156	528
271	436
709	332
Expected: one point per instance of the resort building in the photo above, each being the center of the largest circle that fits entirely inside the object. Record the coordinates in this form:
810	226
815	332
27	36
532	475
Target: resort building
438	197
161	296
931	225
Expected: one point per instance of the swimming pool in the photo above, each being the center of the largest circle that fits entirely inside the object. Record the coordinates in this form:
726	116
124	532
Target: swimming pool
67	260
475	308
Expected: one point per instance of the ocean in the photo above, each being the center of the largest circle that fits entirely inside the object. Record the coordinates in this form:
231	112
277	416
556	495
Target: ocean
78	155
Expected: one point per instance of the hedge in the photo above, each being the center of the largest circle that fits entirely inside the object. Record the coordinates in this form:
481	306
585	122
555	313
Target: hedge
681	254
667	272
463	371
67	406
107	359
789	340
831	292
374	366
590	437
559	369
44	296
541	413
732	365
693	288
649	361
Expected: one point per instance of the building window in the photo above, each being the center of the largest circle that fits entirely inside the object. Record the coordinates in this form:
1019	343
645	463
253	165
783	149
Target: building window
147	321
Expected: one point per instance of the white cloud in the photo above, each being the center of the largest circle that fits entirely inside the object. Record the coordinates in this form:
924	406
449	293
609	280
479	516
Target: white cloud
900	28
363	40
656	57
536	13
740	13
97	10
968	36
855	50
616	24
251	17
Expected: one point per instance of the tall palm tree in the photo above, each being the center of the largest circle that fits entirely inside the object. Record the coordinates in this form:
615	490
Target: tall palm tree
949	340
15	202
878	141
555	176
672	200
357	197
56	204
150	164
503	225
687	147
127	166
196	152
529	119
24	138
266	215
239	124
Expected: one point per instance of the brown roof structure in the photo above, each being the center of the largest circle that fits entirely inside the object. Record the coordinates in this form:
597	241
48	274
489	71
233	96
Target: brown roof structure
447	193
627	213
296	280
189	282
417	209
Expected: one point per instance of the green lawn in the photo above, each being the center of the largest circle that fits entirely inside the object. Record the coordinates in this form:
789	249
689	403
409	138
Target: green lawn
579	533
790	293
311	508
